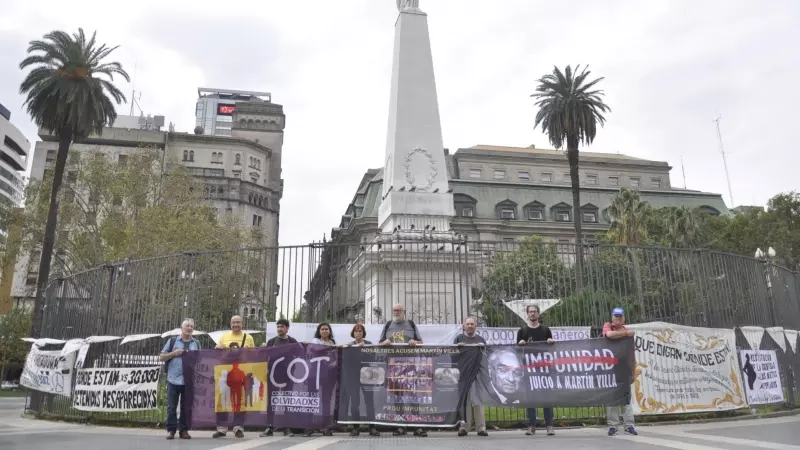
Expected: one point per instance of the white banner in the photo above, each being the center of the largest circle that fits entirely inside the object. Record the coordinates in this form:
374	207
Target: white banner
105	390
48	371
753	336
685	369
791	336
440	334
762	376
776	333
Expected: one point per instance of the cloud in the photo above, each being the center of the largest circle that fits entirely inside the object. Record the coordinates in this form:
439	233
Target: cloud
670	68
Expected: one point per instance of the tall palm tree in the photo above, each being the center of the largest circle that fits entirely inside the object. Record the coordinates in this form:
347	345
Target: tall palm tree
66	97
569	111
628	214
682	227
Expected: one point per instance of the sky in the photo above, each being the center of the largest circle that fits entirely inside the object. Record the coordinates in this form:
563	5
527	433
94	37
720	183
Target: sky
670	67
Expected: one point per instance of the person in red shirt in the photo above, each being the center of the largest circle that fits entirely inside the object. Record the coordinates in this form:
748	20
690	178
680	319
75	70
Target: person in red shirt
616	329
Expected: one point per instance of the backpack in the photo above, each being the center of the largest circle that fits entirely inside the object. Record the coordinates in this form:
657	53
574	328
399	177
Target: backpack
386	327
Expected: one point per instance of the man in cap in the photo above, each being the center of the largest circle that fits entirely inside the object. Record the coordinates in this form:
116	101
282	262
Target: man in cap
616	329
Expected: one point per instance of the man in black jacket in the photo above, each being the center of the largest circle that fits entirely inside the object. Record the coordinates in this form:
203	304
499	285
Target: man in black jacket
533	331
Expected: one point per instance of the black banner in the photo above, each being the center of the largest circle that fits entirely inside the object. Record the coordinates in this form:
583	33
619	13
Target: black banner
590	372
404	385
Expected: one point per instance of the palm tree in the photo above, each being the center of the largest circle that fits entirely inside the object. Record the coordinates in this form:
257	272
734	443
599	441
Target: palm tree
569	111
629	215
66	97
682	227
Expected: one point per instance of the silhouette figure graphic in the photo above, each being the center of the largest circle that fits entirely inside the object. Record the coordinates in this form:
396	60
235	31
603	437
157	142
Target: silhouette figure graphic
224	391
750	372
236	382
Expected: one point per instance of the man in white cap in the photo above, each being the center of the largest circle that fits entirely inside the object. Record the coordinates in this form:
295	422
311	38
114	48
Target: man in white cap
616	329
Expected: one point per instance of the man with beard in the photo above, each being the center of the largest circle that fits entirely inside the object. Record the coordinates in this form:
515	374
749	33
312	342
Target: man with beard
616	329
402	331
531	332
470	337
233	339
282	338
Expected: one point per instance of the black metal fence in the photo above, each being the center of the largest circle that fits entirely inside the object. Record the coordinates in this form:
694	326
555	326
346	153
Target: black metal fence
438	282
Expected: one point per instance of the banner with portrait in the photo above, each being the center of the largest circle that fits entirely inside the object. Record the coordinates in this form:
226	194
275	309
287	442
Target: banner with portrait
683	369
762	376
588	372
116	390
405	385
48	371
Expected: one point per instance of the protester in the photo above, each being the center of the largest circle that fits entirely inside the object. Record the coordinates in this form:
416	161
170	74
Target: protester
402	331
470	337
323	336
233	339
616	329
533	331
359	333
172	354
282	325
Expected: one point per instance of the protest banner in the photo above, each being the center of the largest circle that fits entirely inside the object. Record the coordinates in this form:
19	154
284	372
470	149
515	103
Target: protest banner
253	387
685	369
586	372
48	371
763	383
405	385
116	390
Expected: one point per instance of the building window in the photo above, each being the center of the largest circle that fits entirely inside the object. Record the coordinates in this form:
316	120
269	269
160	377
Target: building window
186	155
524	175
563	215
509	240
191	155
464	205
547	177
72	177
589	217
656	183
567	178
474	173
255	219
564	246
635	182
613	181
507	213
238	160
535	214
591	180
467	211
499	174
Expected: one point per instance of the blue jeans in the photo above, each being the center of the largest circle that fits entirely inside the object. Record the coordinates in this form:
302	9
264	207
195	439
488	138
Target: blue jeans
548	417
175	395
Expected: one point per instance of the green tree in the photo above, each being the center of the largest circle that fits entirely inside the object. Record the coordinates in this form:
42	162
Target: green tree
628	213
13	326
67	97
569	111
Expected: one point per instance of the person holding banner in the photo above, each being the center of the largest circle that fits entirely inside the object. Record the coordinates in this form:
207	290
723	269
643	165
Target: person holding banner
470	337
359	333
176	389
282	338
399	330
616	329
323	336
234	339
531	332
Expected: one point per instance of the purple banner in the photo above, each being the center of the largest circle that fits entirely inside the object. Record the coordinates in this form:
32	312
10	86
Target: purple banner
287	386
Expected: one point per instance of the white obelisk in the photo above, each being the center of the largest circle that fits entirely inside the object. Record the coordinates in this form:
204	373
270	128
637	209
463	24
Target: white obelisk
415	187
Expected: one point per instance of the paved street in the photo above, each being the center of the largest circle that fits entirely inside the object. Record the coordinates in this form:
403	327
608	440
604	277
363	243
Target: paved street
776	434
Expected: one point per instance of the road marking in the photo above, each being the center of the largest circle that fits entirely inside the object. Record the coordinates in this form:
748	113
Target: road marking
665	443
251	443
315	444
731	440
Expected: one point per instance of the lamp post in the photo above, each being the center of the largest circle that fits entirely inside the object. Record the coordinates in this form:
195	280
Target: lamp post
766	257
190	278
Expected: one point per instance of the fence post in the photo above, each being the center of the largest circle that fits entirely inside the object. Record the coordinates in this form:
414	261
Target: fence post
109	299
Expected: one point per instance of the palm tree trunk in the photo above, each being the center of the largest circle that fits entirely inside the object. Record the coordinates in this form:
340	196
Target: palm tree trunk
64	141
572	157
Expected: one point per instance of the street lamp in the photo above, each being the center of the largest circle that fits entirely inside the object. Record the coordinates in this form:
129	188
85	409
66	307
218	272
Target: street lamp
186	276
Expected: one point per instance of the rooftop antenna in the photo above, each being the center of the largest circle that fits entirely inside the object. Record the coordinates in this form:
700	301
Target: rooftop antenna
724	161
133	94
683	171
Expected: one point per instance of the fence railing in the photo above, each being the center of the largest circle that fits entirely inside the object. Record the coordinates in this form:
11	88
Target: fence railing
438	282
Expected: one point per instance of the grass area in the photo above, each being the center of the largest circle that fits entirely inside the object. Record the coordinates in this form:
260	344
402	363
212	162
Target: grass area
17	393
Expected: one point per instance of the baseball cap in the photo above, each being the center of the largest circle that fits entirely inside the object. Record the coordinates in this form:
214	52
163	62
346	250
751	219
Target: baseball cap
618	312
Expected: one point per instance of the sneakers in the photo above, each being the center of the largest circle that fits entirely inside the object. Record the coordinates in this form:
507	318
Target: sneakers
327	433
373	432
219	434
462	432
419	432
483	433
266	433
399	432
185	435
612	431
355	431
550	431
239	434
631	430
531	431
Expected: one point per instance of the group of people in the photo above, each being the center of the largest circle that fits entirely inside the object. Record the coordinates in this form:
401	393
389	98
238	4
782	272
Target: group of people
399	330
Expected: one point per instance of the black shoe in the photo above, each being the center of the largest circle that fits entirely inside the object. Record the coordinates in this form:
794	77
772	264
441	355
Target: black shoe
374	433
327	433
612	431
185	435
483	433
171	435
219	434
239	434
266	433
399	432
308	433
354	432
419	432
462	432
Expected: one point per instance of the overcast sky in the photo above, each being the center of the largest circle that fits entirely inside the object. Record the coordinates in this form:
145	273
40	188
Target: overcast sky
671	67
